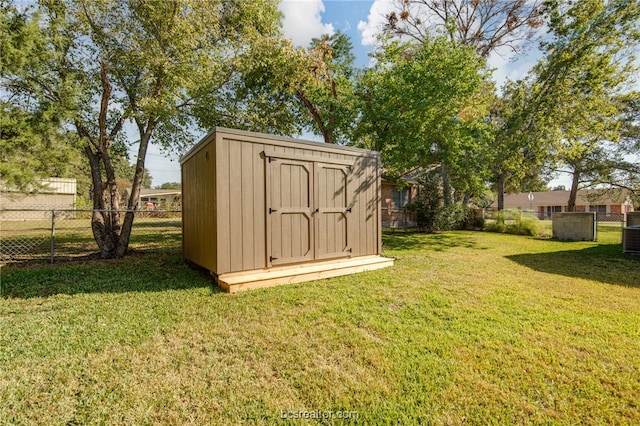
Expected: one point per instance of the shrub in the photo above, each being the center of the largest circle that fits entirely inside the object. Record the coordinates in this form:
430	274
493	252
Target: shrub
451	217
518	224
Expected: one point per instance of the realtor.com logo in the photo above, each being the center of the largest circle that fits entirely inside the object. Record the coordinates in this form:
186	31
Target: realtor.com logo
318	414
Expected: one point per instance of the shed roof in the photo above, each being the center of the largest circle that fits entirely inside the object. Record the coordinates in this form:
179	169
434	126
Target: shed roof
280	139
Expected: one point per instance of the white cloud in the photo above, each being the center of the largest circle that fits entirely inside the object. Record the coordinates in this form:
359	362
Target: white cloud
370	28
303	20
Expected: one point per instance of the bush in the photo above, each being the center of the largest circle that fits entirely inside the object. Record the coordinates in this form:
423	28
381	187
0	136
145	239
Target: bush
519	224
429	213
474	219
451	217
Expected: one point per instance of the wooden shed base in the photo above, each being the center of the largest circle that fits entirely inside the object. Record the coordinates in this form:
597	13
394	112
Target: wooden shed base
239	281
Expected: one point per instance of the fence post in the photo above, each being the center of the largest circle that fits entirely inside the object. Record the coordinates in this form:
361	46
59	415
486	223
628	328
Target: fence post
53	233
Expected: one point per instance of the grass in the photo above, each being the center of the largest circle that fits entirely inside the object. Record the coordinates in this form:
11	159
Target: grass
474	328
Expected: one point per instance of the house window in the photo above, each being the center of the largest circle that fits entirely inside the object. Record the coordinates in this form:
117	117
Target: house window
553	209
600	209
401	197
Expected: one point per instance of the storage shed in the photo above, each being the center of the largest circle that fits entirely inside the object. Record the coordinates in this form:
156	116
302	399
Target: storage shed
262	210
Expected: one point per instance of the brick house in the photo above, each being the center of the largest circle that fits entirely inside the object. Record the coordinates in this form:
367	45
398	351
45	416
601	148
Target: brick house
610	204
395	197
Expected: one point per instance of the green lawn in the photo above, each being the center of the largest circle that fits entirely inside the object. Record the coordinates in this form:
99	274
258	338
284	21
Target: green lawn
467	327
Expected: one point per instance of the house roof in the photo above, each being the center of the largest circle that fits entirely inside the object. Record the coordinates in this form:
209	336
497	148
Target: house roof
410	176
561	198
146	192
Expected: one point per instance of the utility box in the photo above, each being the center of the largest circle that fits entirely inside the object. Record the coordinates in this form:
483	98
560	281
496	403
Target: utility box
261	210
574	226
633	219
631	234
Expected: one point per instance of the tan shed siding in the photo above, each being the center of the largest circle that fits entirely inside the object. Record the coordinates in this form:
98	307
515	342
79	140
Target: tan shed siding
365	198
378	220
226	228
236	208
259	206
223	201
199	208
242	227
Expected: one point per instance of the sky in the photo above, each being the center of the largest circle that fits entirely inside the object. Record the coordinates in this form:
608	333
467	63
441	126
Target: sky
360	20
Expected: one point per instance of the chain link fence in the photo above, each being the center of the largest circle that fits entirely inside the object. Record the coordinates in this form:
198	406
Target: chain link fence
51	235
604	221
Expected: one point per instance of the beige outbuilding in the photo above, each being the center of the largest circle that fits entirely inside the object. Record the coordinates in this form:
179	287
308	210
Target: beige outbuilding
262	210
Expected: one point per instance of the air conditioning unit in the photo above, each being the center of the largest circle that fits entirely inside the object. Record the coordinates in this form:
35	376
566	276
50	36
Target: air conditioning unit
631	239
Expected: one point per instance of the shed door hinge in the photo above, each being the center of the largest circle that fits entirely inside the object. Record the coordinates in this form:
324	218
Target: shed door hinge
271	259
272	210
272	159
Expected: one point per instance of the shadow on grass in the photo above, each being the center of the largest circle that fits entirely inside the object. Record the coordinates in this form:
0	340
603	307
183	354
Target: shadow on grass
604	263
137	272
434	242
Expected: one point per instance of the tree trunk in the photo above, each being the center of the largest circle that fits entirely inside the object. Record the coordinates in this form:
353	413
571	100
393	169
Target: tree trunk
573	194
104	221
501	180
446	185
327	132
132	203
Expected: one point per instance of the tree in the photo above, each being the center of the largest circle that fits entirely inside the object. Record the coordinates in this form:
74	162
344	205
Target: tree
314	86
486	25
170	185
100	65
518	149
578	84
31	148
326	89
32	145
423	106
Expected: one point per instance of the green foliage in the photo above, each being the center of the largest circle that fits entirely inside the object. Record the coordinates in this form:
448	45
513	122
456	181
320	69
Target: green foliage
431	215
33	148
514	222
423	106
170	185
96	66
590	60
426	205
302	88
452	217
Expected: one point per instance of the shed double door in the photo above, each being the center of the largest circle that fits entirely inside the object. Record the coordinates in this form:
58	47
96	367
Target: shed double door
308	211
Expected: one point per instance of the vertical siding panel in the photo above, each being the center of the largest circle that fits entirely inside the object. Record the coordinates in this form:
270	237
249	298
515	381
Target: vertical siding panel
235	204
296	201
198	204
353	217
371	231
319	218
285	193
364	203
222	202
379	206
260	213
369	207
208	210
275	201
248	209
